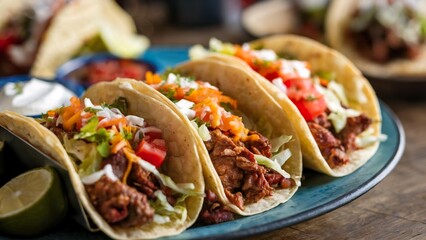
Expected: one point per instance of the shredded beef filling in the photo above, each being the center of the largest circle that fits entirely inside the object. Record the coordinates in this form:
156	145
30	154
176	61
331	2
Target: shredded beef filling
118	163
331	147
119	204
214	211
243	179
381	44
335	146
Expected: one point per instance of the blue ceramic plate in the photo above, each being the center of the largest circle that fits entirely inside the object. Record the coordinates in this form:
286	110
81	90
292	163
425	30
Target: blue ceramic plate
318	195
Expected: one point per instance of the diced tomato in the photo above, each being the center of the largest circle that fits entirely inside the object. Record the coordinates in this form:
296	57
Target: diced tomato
307	99
152	151
8	38
111	69
133	70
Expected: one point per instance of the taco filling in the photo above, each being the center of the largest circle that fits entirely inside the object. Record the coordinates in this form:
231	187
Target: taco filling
118	158
248	164
337	129
383	31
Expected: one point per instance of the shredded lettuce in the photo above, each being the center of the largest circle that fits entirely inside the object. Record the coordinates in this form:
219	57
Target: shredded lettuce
164	212
186	189
278	142
338	115
100	136
282	156
368	137
202	130
339	91
272	164
84	153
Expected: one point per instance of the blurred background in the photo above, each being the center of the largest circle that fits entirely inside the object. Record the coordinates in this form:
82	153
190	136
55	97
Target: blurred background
194	21
183	23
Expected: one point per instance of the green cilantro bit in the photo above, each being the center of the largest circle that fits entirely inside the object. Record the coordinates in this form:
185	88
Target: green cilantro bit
170	94
226	106
262	63
258	47
329	76
121	104
126	134
311	98
288	56
91	110
189	91
200	122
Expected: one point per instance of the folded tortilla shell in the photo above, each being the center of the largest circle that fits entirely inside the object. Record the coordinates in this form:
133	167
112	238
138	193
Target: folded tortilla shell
181	164
338	18
78	22
254	102
359	92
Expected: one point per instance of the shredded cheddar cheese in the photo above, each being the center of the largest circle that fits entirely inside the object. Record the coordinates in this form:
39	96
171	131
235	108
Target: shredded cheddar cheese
208	106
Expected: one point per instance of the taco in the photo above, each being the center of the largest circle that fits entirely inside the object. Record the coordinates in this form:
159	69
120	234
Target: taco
249	150
83	27
332	106
132	162
23	24
383	38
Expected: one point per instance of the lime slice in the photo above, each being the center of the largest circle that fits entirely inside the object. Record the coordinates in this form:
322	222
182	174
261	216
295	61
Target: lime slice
124	45
32	203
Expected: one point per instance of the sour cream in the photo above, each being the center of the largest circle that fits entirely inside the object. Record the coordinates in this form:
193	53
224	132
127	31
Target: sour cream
33	97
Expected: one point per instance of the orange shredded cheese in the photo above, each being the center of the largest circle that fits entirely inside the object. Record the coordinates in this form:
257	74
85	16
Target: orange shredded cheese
132	158
151	78
208	107
113	122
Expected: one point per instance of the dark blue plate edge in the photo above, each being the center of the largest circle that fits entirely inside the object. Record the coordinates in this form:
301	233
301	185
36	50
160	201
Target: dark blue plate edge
336	203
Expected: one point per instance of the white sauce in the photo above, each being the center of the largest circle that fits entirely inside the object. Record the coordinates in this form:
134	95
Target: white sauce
36	97
94	177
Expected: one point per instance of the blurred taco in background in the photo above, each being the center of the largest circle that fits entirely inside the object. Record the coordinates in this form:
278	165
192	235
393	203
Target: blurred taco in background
250	151
383	38
132	162
334	109
23	24
87	26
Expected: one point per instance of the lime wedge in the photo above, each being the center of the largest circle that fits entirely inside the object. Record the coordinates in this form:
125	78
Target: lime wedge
32	203
122	44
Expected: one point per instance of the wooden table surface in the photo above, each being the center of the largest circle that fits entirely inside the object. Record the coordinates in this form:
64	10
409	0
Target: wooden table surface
394	209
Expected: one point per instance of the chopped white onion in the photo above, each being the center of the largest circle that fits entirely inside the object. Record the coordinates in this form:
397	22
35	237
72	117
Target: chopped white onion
135	120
